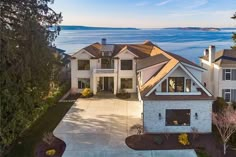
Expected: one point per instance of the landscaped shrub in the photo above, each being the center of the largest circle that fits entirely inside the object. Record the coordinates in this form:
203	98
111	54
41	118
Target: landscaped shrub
51	152
232	141
183	139
158	140
219	104
202	153
123	94
48	138
138	128
86	93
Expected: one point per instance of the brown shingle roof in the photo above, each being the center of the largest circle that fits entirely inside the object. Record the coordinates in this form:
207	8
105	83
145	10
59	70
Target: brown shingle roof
156	78
150	61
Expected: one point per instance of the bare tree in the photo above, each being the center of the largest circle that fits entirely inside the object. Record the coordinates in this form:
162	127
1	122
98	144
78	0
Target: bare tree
225	121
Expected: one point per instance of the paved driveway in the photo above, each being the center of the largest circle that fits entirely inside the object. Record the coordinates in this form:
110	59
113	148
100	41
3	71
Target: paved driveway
97	127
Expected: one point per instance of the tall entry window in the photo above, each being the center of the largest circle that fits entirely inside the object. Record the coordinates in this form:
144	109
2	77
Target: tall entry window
176	84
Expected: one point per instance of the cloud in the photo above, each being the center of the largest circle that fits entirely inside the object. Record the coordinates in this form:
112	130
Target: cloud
197	3
163	3
142	3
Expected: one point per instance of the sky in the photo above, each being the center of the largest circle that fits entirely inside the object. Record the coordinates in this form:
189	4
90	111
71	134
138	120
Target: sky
147	13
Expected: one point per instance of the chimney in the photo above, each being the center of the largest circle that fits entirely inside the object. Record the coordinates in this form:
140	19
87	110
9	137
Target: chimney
206	52
212	50
104	41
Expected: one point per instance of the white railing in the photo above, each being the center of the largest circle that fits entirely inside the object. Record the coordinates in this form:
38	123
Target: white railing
102	71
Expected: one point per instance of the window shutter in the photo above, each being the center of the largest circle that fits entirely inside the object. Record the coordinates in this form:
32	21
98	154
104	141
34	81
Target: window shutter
223	74
223	93
233	95
233	71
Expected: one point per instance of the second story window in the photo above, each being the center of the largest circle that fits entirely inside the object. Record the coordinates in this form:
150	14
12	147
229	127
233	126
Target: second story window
188	85
226	94
229	74
176	84
126	65
83	65
163	86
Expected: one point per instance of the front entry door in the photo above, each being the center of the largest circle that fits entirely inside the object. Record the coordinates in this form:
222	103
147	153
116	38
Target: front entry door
106	87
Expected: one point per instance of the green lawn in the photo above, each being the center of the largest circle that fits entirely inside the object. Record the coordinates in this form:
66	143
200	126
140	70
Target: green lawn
46	123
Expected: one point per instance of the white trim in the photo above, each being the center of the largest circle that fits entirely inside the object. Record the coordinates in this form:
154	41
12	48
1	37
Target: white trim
83	50
152	66
194	67
189	74
125	50
195	80
173	69
205	62
178	93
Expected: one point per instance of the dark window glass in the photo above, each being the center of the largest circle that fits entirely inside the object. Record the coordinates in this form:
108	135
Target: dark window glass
176	84
227	74
188	85
83	83
163	86
83	65
126	83
226	94
177	117
126	64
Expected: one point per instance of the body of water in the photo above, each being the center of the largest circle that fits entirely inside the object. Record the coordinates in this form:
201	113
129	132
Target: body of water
187	43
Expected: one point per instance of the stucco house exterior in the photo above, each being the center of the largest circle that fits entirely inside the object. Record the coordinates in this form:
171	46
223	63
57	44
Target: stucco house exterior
168	86
220	77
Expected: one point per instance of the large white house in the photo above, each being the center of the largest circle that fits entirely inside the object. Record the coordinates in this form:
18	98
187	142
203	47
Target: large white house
220	77
169	86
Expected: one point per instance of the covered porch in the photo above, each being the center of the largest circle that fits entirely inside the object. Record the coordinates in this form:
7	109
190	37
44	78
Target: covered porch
104	82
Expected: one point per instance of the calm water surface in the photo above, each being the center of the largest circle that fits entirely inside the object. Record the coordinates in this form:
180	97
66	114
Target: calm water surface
187	43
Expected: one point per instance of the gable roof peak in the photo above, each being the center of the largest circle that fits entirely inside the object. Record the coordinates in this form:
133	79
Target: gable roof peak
148	42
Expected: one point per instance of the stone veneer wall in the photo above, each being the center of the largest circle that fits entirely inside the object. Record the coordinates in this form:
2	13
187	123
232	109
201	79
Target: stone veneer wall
152	124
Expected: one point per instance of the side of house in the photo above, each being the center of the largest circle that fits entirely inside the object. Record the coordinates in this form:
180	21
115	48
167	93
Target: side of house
220	77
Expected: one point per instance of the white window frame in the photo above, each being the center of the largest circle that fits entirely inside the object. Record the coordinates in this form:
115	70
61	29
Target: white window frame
80	85
227	92
227	72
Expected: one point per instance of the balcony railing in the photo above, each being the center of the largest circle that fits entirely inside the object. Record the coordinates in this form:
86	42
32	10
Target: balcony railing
102	71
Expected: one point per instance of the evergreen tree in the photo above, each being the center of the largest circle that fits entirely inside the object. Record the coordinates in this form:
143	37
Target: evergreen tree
234	34
28	27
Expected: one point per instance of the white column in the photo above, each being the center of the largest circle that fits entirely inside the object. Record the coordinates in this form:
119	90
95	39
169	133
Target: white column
94	85
115	84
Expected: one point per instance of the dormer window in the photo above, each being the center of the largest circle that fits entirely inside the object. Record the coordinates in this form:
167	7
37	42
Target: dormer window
176	84
188	85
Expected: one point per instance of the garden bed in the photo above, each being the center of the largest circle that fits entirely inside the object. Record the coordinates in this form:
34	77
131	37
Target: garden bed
73	96
204	143
58	145
25	146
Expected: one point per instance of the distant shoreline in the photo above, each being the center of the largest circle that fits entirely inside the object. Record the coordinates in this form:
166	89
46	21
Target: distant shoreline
196	28
96	28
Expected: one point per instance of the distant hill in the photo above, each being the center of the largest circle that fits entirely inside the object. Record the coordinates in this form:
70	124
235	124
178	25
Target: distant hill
196	28
94	28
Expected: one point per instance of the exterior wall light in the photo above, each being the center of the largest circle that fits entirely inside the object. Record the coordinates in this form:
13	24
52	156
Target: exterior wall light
196	116
159	115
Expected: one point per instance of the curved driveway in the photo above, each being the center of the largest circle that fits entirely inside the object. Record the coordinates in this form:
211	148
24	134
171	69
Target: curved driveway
97	127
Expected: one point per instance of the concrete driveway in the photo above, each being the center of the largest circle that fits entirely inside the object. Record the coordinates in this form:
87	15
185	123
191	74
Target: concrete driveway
97	127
